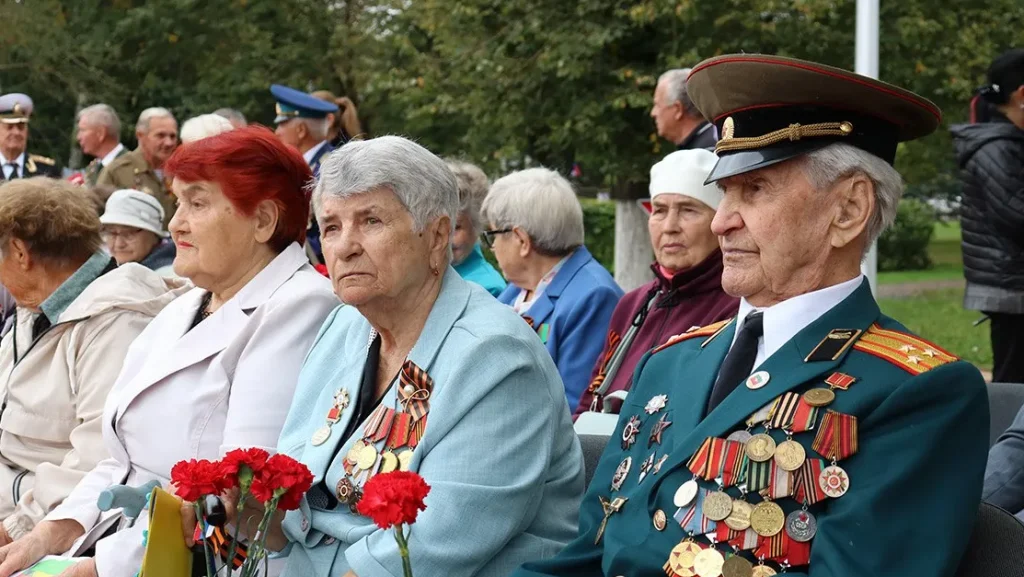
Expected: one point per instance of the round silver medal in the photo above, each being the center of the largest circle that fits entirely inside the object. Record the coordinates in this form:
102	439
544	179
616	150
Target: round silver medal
801	526
321	435
685	494
740	436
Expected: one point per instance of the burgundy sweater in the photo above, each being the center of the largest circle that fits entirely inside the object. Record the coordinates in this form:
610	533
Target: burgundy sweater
693	298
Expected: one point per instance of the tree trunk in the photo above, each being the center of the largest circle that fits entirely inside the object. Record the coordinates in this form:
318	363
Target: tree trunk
633	254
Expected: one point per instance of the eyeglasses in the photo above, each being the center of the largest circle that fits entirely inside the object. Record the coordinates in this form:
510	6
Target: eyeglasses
128	235
488	236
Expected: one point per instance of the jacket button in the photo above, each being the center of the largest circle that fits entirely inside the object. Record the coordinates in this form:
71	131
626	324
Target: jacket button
330	541
305	523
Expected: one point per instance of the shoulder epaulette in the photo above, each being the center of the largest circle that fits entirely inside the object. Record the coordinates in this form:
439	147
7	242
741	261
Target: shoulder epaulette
42	159
904	350
709	331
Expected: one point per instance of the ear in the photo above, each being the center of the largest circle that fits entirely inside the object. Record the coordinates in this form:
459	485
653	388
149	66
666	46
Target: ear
440	232
267	215
525	244
855	203
677	110
18	250
139	135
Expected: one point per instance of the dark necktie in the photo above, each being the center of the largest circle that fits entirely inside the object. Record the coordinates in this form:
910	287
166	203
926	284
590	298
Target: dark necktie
739	361
14	170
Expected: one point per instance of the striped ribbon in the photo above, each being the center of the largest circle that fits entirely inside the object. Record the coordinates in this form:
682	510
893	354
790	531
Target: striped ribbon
416	401
808	490
783	410
797	553
804	418
691	518
758	475
773	547
374	422
529	320
762	415
221	543
399	434
698	463
723	534
746	541
781	484
837	436
384	426
840	381
417	431
734	463
609	351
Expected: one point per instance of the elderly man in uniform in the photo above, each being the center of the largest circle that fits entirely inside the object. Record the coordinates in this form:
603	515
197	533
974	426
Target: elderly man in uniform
15	111
675	115
302	123
811	434
142	168
99	136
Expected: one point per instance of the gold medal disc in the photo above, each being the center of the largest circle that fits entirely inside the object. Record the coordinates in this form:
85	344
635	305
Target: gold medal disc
680	560
762	571
717	506
760	447
355	451
790	455
737	566
819	397
767	519
388	462
321	435
739	519
404	460
367	457
660	520
708	563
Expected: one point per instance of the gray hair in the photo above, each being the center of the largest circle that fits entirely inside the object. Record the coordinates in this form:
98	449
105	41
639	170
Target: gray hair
204	126
232	115
149	114
473	185
543	204
318	127
102	115
836	161
675	89
420	180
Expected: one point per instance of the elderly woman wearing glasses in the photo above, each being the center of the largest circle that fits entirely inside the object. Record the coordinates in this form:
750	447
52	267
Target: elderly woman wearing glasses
422	372
565	295
467	258
133	230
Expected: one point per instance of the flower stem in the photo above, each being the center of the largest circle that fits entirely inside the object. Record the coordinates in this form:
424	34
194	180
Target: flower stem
403	550
238	528
209	557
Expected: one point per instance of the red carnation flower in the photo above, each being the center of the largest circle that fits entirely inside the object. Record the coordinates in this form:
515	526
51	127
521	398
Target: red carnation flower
194	479
242	465
393	498
282	477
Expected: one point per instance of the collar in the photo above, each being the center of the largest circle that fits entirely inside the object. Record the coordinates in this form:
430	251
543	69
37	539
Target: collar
267	281
310	154
784	320
112	154
697	132
20	161
705	276
72	288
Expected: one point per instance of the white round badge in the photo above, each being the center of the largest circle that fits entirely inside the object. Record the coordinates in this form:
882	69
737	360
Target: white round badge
758	380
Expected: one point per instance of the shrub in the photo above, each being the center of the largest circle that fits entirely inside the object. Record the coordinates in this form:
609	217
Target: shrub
905	245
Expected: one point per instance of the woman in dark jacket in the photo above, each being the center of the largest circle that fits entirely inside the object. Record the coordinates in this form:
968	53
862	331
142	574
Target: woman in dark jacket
990	152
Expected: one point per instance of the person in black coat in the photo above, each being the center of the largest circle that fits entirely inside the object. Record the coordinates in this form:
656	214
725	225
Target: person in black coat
675	115
990	153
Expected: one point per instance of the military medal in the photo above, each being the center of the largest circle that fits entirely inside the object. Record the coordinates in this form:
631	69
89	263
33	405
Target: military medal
834	481
780	484
739	518
801	526
367	458
819	397
717	506
762	571
680	559
656	431
656	404
404	461
836	440
621	472
660	520
758	475
790	455
767	519
758	380
610	508
645	468
345	491
740	436
388	462
760	447
808	490
737	566
630	431
690	518
708	563
341	402
686	493
659	463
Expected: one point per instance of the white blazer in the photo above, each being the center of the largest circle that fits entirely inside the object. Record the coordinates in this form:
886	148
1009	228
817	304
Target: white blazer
196	394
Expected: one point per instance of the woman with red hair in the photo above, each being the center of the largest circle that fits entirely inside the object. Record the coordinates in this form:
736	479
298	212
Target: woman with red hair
216	370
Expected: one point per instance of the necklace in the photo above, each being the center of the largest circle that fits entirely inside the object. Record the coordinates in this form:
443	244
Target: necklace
204	306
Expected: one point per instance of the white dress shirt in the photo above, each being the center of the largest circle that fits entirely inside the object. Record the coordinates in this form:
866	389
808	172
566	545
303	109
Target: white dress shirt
310	154
784	320
112	154
20	161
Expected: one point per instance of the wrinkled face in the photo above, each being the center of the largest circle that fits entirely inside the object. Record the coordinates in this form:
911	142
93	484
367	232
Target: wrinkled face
13	138
127	243
511	250
666	114
90	136
773	227
212	237
159	143
373	251
464	239
289	133
680	228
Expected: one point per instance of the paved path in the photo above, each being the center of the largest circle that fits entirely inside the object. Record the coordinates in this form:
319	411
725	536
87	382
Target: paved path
909	289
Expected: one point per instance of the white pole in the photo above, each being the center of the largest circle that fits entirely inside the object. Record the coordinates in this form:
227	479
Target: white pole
866	63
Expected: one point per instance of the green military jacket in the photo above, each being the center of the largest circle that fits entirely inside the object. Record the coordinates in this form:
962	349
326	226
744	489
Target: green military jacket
92	171
132	171
912	480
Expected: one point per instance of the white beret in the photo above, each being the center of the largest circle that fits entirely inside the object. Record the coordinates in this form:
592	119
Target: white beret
684	172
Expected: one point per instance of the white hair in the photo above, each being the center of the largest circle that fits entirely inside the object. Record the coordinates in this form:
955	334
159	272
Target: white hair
675	89
318	127
421	181
102	115
836	161
232	115
149	114
543	204
473	186
203	126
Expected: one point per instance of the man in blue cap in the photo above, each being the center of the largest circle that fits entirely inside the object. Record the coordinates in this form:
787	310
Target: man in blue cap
302	123
15	110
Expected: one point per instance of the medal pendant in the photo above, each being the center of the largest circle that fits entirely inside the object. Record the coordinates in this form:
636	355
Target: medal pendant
834	481
762	571
819	397
739	518
629	432
354	451
367	458
660	520
741	436
708	563
345	491
321	435
767	519
686	493
656	404
790	455
801	526
404	461
388	462
621	472
737	566
760	447
680	560
717	506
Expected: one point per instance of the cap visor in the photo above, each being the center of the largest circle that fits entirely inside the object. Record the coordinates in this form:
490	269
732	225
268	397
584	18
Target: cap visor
14	120
280	119
736	163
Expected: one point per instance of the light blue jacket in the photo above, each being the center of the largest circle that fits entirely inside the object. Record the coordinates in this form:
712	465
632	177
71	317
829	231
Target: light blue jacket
476	269
499	452
572	316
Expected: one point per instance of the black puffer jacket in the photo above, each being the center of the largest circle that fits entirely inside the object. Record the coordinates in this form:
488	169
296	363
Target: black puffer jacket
991	159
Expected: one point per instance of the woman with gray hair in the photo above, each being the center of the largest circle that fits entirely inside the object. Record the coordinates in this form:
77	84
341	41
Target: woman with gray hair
418	344
563	293
467	258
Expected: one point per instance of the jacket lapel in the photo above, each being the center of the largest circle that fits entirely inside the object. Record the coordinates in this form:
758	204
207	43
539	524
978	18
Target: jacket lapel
787	369
540	311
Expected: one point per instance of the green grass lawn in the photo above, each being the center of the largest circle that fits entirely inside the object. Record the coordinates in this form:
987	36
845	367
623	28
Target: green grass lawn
947	261
939	316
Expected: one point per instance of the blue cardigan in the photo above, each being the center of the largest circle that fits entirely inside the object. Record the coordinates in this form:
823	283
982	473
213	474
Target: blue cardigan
572	318
499	451
476	269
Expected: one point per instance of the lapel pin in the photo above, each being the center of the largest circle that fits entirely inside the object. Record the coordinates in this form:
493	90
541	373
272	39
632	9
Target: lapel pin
758	380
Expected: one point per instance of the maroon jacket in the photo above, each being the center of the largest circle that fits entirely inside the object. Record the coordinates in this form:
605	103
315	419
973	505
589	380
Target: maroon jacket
693	298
